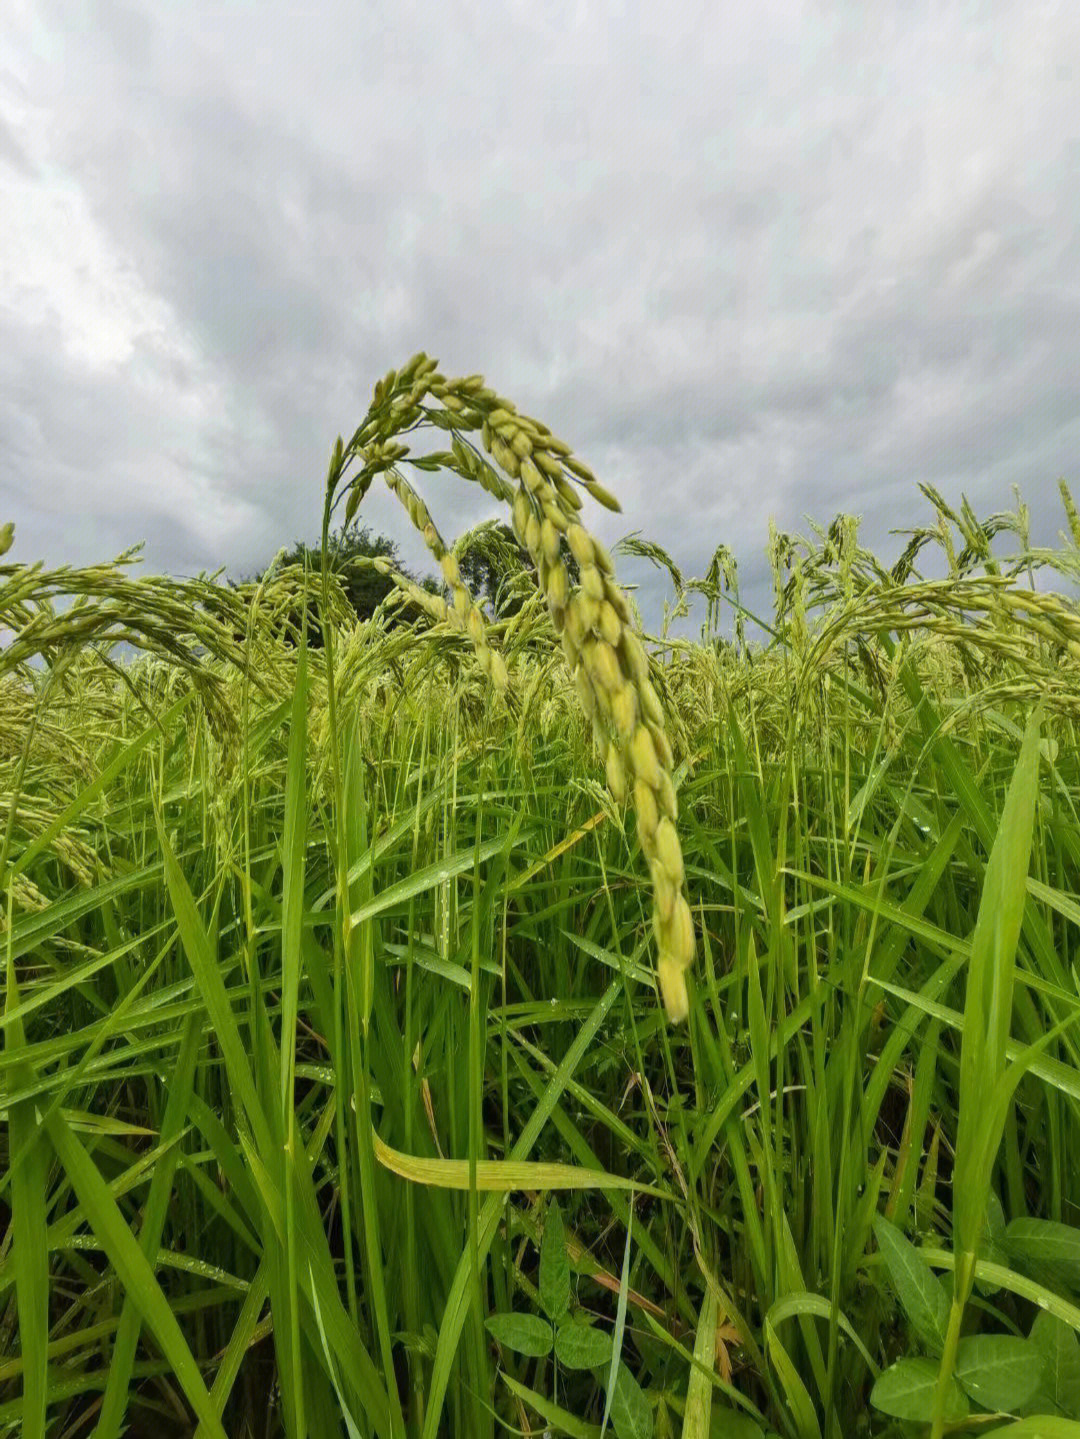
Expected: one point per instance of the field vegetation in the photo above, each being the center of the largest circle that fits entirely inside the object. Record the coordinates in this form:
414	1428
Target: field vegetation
508	1021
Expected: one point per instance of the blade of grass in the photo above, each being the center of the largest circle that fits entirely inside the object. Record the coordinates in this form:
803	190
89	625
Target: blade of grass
29	1210
132	1269
987	1020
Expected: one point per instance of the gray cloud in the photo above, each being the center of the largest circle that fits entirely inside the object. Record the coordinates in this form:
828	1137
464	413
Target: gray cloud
12	153
776	260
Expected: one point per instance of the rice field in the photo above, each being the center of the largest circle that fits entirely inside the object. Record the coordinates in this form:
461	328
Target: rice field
516	1022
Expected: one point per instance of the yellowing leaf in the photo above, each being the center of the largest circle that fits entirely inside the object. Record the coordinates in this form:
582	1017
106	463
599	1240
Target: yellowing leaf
502	1176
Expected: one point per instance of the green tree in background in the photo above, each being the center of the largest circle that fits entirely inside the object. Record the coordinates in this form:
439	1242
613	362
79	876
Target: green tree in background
493	565
365	588
496	568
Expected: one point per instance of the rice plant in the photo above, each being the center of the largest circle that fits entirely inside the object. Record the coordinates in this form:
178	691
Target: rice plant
522	1023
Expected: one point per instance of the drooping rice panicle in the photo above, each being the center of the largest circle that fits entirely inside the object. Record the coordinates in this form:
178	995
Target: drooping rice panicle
592	617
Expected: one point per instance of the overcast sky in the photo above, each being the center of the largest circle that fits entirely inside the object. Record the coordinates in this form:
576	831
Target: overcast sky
750	258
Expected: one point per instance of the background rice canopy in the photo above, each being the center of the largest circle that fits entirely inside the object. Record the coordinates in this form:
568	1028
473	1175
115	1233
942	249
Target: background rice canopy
499	1014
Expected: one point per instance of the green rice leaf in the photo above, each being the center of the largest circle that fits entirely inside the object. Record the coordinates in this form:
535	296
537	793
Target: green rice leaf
697	1417
988	1004
562	1420
29	1238
133	1270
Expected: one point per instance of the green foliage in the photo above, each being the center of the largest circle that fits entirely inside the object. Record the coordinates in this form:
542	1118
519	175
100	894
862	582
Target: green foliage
577	1345
554	1267
1044	1248
269	913
1000	1371
924	1298
496	567
995	1372
907	1388
1060	1351
521	1333
363	587
631	1417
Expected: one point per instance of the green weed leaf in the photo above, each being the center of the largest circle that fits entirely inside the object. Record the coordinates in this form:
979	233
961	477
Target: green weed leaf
999	1371
1043	1244
906	1391
992	1246
733	1424
523	1333
1060	1349
631	1417
579	1346
923	1295
554	1266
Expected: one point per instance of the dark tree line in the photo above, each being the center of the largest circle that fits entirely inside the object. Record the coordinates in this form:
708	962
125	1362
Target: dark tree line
488	569
364	587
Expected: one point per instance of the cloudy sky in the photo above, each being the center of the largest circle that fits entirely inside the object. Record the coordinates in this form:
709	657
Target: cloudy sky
779	258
